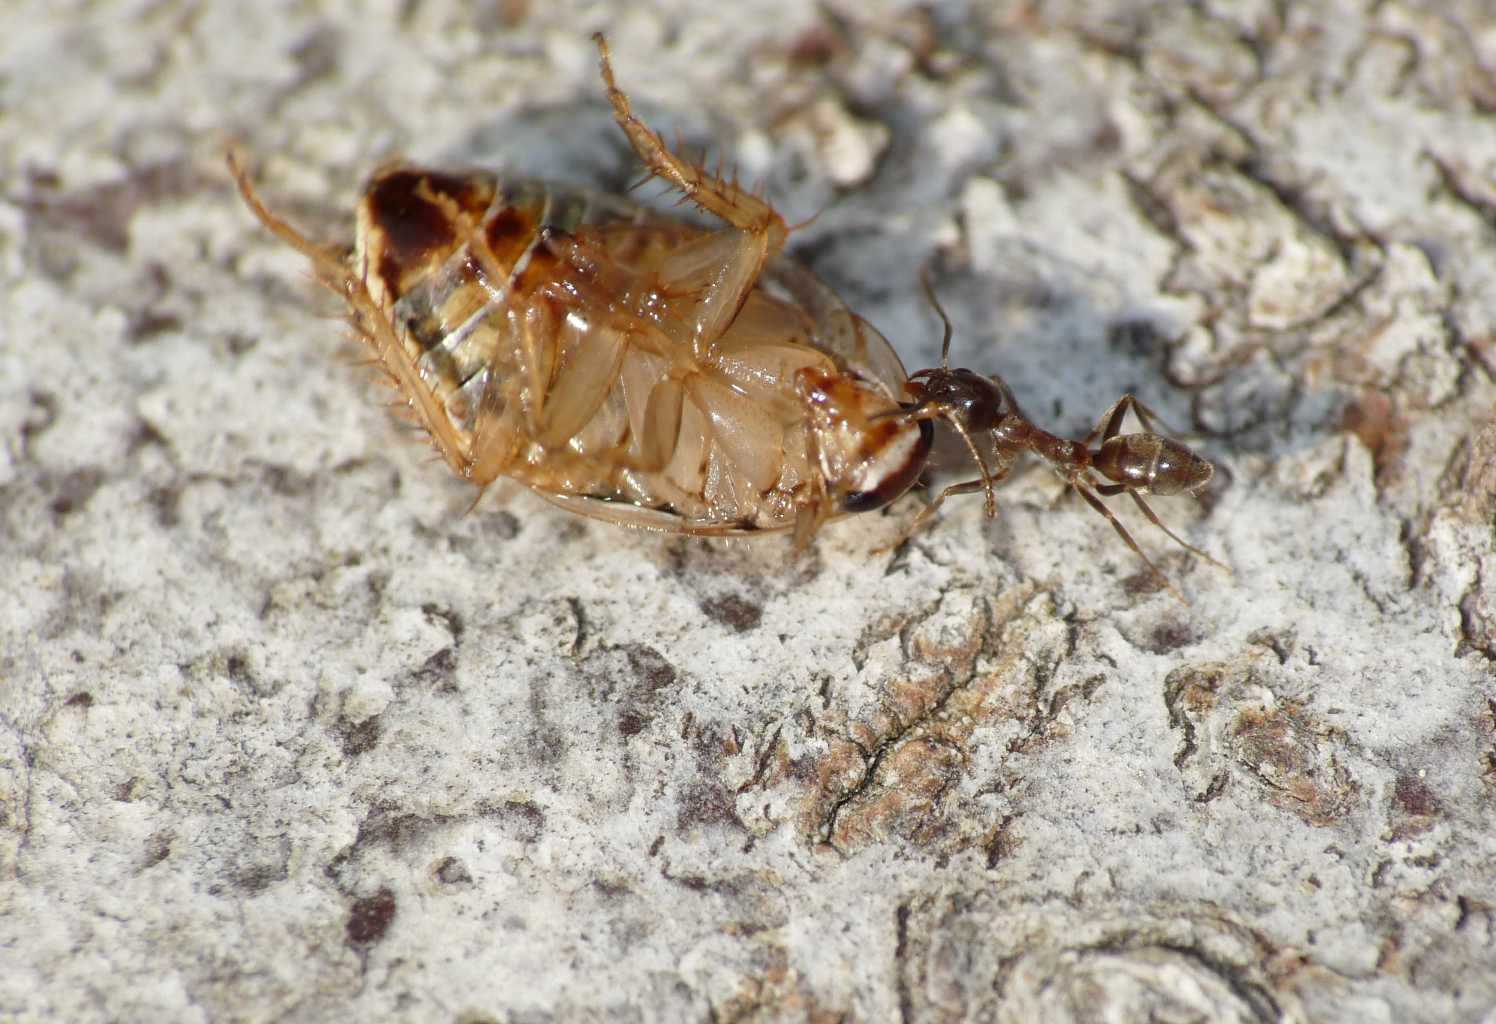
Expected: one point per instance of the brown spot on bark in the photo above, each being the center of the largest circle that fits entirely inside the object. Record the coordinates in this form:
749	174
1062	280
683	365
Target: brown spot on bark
370	917
1414	807
360	737
1375	420
74	489
451	871
1292	760
703	804
103	213
736	613
1169	637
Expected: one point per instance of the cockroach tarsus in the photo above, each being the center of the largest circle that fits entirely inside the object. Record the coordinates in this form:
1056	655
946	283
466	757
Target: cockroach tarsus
662	375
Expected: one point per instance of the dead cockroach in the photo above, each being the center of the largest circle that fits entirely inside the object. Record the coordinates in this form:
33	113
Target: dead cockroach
658	374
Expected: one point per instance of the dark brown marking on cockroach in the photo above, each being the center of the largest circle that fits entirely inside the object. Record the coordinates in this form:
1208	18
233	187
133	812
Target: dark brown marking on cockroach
415	226
896	482
420	214
509	232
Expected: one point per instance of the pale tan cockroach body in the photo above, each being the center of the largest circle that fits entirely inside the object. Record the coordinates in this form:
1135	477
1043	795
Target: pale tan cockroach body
625	366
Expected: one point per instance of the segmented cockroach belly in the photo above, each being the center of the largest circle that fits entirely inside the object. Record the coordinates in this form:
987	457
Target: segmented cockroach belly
558	334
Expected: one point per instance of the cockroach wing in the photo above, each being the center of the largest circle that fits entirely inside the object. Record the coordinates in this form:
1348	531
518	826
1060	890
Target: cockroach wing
849	339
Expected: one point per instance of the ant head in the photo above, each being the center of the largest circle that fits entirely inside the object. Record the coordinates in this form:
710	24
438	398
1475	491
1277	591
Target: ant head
975	402
969	401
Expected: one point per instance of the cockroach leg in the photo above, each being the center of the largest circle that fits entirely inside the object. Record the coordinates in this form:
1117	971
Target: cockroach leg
737	206
328	264
759	228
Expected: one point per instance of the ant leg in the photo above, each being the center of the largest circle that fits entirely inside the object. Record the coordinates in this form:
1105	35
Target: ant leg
1153	518
1108	490
1007	393
928	512
1150	420
945	412
1100	506
1110	424
986	481
723	270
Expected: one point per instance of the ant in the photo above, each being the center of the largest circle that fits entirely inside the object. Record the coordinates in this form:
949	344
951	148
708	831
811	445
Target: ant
983	408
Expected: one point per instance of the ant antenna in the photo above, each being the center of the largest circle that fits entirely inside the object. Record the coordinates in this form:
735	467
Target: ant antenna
928	283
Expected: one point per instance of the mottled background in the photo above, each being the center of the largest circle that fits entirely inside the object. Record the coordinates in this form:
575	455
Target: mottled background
284	735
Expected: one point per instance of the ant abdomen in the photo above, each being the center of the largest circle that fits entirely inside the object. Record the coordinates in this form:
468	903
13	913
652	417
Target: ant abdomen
1148	463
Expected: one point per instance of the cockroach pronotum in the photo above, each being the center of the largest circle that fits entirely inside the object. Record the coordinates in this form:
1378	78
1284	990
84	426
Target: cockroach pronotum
654	373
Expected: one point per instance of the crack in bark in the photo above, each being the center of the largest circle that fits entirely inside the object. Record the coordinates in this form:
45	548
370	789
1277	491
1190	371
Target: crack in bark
939	728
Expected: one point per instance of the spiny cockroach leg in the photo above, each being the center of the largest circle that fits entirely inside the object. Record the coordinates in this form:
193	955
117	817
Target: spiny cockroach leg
760	226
